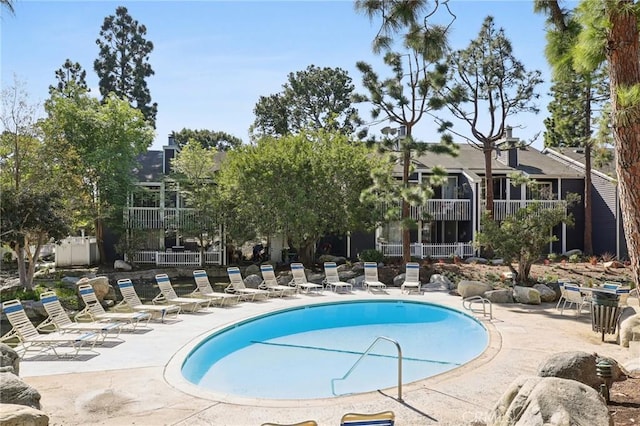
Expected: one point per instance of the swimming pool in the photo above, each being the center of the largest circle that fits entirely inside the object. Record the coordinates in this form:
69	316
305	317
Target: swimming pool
295	353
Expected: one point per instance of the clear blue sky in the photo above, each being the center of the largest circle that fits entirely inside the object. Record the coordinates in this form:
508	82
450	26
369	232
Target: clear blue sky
214	59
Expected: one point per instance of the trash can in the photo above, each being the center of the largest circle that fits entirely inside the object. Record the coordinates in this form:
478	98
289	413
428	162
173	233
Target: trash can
604	312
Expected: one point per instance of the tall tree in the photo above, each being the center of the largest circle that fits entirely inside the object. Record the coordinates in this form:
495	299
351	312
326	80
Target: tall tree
220	141
107	139
486	85
70	77
577	97
8	4
611	33
404	99
195	169
316	98
300	186
123	62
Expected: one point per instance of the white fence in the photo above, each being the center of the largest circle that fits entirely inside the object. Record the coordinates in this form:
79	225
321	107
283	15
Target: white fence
187	258
424	251
77	251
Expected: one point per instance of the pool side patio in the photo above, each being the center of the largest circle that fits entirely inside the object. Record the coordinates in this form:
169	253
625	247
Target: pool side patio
138	381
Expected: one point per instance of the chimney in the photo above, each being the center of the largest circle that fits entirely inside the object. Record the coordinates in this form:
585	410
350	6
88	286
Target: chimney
168	153
508	149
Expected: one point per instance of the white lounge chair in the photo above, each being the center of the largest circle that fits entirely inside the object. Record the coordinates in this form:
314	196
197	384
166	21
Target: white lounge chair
204	289
236	285
29	337
169	295
300	279
411	278
94	310
131	301
59	321
332	279
371	277
270	282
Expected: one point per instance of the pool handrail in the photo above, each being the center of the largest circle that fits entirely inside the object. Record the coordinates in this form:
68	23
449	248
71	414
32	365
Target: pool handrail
353	367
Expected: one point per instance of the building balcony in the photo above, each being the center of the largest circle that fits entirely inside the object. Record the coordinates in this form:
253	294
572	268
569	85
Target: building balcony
428	250
504	208
442	209
160	218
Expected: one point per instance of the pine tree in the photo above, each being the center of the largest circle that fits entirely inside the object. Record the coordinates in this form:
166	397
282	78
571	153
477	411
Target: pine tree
123	63
70	77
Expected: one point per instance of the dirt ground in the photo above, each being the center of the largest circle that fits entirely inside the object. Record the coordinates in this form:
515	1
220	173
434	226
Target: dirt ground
624	404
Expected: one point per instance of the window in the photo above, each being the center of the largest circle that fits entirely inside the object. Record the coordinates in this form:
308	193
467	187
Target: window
540	191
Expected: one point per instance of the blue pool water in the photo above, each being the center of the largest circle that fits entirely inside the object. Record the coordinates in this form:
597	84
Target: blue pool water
295	354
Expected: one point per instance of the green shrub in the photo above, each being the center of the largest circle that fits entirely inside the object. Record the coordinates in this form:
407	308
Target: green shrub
371	255
575	258
21	293
552	257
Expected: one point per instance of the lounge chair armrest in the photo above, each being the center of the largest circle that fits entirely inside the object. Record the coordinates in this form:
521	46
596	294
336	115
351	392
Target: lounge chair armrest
123	306
159	299
84	315
229	289
48	326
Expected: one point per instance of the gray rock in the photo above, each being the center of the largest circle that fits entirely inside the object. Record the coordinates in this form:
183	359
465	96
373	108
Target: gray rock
546	294
101	287
502	295
572	252
121	265
497	261
442	279
481	260
9	359
14	391
253	281
21	415
579	366
549	401
398	280
526	295
252	270
468	288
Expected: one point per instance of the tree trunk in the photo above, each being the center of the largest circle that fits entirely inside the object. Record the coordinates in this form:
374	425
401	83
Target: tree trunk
406	234
22	266
100	240
306	252
588	227
488	180
624	73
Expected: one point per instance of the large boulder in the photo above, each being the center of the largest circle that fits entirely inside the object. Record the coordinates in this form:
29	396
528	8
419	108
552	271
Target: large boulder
549	401
9	360
14	391
253	281
526	295
546	293
467	288
579	366
502	295
121	265
441	281
627	324
21	415
101	287
252	270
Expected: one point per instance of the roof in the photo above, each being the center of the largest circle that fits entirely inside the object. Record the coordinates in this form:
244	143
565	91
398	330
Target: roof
531	161
149	167
577	155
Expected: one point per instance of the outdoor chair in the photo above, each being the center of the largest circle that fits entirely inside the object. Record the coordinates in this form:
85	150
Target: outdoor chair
94	310
371	277
131	301
169	296
204	289
30	339
573	297
411	278
300	279
332	278
270	282
59	321
237	286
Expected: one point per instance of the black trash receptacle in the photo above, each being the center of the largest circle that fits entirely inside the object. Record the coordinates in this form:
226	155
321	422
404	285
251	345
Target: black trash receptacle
604	312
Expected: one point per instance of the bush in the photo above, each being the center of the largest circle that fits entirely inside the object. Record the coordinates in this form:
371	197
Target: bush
552	257
371	255
21	293
575	258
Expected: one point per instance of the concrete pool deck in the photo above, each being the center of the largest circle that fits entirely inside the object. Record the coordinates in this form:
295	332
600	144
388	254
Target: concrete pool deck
137	382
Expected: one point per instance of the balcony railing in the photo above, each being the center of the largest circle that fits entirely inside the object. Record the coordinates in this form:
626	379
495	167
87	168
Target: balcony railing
442	209
159	218
424	250
187	258
504	208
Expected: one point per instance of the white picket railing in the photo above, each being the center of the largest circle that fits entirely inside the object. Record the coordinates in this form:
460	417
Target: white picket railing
187	258
504	208
423	251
